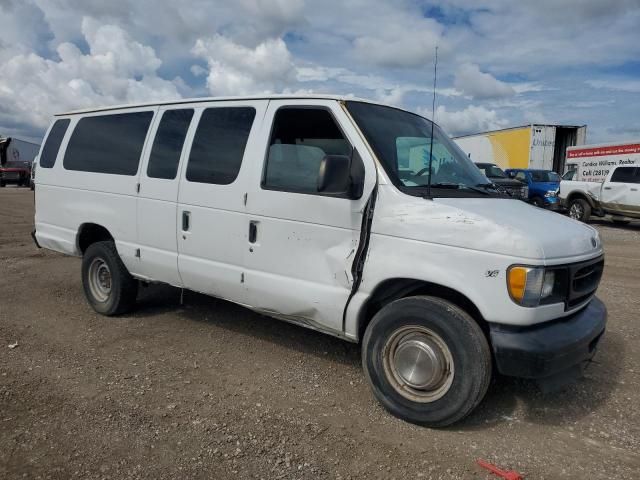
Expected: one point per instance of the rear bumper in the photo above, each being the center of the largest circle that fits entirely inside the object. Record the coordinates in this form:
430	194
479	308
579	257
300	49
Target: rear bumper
548	349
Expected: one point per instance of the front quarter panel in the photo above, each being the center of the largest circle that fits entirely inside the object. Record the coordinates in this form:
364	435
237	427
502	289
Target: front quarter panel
459	251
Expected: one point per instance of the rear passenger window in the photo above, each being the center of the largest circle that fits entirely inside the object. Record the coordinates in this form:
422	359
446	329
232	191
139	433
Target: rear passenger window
626	175
52	145
218	145
167	146
300	139
108	143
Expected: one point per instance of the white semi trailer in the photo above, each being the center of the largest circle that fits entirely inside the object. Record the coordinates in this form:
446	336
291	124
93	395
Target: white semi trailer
530	146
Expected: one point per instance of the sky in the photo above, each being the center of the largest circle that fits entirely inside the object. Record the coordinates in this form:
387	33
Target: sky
501	63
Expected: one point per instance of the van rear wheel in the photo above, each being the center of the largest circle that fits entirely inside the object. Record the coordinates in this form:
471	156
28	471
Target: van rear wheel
427	361
109	287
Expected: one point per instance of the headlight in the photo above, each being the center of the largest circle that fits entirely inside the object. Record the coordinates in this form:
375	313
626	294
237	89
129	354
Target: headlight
551	193
529	285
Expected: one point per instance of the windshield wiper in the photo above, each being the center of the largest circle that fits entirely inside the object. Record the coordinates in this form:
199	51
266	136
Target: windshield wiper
452	185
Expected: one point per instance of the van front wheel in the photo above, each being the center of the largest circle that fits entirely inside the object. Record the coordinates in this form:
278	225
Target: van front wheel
427	360
109	287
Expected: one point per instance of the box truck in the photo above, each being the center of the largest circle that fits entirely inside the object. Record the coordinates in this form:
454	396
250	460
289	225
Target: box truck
591	163
541	147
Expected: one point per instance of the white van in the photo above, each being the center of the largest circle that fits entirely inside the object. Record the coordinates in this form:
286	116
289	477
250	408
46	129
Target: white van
327	212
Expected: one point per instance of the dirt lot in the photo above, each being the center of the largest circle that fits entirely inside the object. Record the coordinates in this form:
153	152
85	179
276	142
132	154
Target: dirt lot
211	390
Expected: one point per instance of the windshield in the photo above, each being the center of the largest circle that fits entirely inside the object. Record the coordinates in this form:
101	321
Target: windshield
491	171
402	142
544	176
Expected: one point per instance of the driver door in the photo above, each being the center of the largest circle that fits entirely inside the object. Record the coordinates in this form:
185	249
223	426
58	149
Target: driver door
299	243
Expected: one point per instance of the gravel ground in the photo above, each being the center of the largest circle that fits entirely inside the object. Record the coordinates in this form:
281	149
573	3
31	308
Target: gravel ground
211	390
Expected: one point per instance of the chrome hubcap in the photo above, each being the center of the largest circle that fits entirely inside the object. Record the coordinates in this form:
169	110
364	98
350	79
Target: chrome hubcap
418	364
99	280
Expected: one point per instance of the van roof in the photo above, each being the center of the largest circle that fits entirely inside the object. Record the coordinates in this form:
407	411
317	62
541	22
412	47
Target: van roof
223	99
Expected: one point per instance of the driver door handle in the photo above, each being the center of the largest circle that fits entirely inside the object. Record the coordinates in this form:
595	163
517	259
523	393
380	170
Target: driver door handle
253	232
186	221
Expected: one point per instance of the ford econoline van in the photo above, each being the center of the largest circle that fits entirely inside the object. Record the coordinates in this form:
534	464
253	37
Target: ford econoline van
356	219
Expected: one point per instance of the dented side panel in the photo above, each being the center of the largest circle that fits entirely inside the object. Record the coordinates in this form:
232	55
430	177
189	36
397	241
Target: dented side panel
300	266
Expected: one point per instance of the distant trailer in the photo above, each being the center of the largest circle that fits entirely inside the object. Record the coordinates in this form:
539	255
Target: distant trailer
14	150
16	161
530	146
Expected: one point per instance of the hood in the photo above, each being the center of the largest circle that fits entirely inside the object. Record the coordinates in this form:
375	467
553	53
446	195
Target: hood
546	186
497	225
506	182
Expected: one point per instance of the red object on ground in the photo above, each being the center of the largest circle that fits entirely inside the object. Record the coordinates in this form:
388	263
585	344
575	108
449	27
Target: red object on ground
506	474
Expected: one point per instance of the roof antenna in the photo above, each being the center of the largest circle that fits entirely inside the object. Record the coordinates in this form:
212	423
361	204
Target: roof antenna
433	118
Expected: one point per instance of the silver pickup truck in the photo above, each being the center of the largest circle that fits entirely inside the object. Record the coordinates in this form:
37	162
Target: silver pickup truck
618	196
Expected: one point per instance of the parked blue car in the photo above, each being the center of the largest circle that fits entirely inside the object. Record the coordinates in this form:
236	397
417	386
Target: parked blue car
543	186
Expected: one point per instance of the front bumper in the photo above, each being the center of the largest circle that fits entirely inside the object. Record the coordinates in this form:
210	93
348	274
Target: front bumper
552	203
548	349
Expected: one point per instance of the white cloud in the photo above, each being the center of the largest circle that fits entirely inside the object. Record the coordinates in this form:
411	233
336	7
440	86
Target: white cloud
620	85
472	119
116	70
393	96
479	85
557	53
238	70
391	48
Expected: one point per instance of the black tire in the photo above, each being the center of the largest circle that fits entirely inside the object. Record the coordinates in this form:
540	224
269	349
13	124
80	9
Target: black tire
123	288
467	380
2	184
538	202
579	209
618	221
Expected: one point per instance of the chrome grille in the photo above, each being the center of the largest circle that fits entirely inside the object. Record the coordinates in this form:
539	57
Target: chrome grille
584	280
516	192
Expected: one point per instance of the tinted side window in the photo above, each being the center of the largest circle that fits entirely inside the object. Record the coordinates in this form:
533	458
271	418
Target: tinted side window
624	175
300	139
52	145
219	143
108	143
167	146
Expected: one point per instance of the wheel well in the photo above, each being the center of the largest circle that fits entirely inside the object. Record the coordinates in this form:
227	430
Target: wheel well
397	288
91	233
577	195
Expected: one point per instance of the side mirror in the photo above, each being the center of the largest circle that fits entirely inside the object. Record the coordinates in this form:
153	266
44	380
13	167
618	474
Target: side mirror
341	175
